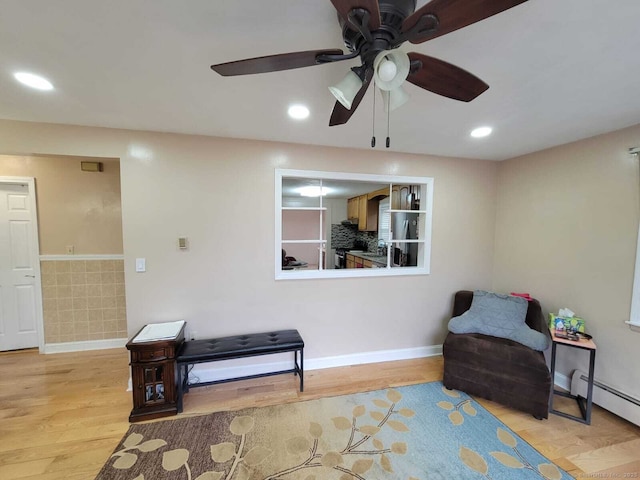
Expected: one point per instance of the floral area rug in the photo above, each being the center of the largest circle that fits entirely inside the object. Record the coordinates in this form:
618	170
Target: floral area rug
417	432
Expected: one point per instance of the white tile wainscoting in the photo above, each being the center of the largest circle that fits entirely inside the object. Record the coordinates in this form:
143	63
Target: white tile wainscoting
83	298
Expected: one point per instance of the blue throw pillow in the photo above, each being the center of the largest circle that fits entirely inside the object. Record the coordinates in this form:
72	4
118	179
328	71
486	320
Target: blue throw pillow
499	316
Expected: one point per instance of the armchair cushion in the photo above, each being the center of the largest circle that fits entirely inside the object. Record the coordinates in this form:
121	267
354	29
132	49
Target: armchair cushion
500	316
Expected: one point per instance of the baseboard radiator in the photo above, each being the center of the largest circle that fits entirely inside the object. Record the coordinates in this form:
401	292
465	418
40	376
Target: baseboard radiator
607	397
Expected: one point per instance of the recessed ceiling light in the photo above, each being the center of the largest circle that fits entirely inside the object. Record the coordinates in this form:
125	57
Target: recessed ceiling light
481	132
33	81
299	112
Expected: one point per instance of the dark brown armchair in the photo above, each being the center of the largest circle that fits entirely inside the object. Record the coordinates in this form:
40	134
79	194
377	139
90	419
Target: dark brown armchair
498	369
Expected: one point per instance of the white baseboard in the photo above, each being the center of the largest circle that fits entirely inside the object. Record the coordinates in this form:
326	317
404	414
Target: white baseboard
214	371
562	381
65	347
373	357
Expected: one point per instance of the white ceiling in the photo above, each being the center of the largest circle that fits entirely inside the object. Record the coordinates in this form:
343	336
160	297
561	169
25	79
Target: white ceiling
559	71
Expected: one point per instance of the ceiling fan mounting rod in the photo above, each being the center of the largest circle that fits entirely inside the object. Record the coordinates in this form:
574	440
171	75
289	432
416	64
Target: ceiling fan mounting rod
369	51
327	58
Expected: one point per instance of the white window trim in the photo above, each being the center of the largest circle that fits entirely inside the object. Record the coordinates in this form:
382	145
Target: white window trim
634	321
354	272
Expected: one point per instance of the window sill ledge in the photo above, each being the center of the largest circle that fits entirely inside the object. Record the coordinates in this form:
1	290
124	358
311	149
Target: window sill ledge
635	327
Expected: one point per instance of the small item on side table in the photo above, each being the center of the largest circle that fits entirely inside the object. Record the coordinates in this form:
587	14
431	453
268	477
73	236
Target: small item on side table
567	336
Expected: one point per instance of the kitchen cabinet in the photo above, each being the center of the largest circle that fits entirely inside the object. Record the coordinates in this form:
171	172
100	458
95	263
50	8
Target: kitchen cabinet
362	212
356	261
399	196
353	261
367	214
405	197
352	208
364	208
378	194
153	376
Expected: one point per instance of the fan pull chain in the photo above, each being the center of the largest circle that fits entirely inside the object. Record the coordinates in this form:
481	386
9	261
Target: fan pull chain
388	115
373	121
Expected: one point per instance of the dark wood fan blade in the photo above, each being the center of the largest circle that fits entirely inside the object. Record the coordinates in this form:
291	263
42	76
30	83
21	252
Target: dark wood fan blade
272	63
340	114
345	6
455	14
445	79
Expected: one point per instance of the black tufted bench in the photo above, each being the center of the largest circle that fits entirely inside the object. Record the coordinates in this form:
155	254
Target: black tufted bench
238	346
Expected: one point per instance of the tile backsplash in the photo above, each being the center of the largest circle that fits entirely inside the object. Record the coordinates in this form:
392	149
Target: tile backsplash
83	300
344	236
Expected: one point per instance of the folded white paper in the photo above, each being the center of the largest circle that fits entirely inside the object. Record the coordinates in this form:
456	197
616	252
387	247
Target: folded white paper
159	331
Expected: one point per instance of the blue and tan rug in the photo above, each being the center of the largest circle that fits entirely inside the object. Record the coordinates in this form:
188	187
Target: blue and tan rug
418	432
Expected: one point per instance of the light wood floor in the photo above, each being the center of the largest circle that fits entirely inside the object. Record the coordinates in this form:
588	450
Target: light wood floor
62	415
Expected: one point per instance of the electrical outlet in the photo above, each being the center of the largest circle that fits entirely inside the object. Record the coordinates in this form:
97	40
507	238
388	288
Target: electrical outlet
192	335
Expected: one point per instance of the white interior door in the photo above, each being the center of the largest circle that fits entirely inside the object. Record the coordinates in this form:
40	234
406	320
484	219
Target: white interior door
20	297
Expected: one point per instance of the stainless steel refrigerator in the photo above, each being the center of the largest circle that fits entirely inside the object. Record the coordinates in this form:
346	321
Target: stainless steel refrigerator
404	226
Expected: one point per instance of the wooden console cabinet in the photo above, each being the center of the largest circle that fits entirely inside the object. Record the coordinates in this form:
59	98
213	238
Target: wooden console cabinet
154	377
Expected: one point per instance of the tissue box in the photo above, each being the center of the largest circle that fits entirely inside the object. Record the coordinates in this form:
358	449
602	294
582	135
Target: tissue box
563	323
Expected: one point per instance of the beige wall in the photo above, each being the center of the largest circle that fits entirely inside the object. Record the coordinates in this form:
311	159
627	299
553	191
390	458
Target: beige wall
74	207
220	194
566	229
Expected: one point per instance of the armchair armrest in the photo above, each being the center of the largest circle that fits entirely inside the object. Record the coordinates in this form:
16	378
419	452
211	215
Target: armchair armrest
535	318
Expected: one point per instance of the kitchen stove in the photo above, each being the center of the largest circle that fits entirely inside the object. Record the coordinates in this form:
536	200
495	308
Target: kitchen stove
341	253
341	257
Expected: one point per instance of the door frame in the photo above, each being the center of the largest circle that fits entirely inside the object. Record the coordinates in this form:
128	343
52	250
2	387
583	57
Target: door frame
35	251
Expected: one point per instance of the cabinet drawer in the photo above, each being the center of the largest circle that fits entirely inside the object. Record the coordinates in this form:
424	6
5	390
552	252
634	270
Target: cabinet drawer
150	355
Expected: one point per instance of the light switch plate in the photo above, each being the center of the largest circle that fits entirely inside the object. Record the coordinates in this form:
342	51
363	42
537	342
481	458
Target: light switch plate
141	265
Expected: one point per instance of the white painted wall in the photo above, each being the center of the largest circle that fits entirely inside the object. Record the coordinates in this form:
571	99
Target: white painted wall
204	188
567	224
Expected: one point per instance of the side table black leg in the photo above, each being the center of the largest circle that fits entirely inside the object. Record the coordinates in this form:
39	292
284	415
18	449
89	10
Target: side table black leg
553	373
592	363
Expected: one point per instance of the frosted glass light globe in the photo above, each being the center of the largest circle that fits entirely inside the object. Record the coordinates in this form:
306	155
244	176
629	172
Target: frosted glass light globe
387	70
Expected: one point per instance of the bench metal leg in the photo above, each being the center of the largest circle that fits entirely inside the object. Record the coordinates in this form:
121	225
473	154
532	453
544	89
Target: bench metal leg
179	389
299	369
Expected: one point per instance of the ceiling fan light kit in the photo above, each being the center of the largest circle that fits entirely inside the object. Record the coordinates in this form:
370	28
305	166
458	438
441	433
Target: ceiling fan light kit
373	30
347	89
395	98
390	69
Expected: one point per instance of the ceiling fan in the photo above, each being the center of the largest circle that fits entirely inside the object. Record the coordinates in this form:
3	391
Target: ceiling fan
373	30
